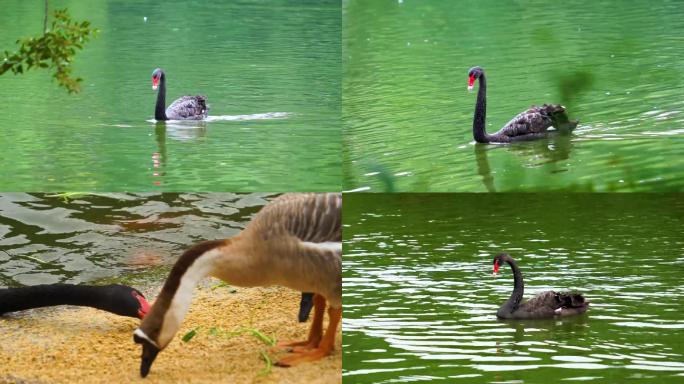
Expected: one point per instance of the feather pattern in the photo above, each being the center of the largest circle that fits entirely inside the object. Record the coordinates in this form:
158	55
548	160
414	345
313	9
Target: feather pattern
310	217
534	120
550	304
188	108
302	230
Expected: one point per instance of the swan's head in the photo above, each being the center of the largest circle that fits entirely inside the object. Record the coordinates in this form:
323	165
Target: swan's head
499	260
473	74
125	301
139	306
157	74
144	305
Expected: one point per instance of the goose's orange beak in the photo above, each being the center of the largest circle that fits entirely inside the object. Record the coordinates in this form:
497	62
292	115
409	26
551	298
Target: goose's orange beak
155	82
496	266
471	82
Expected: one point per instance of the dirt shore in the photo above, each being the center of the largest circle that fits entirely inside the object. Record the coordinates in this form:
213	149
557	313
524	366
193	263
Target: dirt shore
73	344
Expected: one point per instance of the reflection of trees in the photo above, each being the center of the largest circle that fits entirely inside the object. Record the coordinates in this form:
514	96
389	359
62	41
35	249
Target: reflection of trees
159	158
181	131
558	329
550	150
483	166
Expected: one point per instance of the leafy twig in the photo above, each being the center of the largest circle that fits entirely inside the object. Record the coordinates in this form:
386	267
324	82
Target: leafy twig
55	49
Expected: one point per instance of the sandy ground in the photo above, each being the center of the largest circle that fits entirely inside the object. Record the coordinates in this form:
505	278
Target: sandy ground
73	344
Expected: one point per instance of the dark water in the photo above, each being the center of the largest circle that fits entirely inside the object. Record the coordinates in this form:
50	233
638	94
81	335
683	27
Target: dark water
270	70
615	66
47	239
420	299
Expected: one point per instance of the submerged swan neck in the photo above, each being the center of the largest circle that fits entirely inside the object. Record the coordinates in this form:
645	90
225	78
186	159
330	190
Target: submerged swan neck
518	288
160	107
479	132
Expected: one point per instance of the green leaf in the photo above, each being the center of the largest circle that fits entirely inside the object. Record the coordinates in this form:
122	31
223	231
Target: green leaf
267	340
188	336
269	364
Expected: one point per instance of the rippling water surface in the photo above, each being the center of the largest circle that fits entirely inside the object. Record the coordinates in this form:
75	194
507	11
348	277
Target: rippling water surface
270	70
47	238
408	117
420	298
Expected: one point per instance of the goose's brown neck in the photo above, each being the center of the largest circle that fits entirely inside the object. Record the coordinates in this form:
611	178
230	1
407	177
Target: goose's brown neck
171	304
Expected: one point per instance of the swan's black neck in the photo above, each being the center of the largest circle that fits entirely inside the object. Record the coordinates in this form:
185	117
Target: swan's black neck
160	108
518	287
479	132
19	299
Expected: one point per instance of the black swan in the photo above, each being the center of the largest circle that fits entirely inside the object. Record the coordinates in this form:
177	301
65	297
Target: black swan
528	125
545	305
185	108
119	299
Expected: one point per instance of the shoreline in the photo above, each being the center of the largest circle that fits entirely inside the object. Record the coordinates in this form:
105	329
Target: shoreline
80	344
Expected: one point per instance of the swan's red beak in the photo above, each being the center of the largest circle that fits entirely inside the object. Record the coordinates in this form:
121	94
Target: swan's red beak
155	82
471	82
496	266
144	305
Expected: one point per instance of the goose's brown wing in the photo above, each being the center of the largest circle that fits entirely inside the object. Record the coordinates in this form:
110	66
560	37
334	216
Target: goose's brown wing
310	217
306	229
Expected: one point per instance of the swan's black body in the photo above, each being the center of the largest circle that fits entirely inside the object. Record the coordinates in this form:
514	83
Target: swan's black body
119	299
185	108
545	305
528	125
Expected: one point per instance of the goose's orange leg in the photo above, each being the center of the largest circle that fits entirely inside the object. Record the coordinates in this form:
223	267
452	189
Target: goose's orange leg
316	330
324	348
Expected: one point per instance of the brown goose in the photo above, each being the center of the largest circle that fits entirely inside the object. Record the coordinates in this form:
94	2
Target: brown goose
294	241
531	124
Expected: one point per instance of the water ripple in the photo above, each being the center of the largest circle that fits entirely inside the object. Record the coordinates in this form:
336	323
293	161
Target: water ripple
415	304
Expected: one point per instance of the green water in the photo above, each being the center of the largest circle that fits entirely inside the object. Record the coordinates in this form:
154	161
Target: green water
407	117
252	59
46	239
420	298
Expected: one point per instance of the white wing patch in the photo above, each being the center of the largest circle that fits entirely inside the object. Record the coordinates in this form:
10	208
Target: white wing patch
334	246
